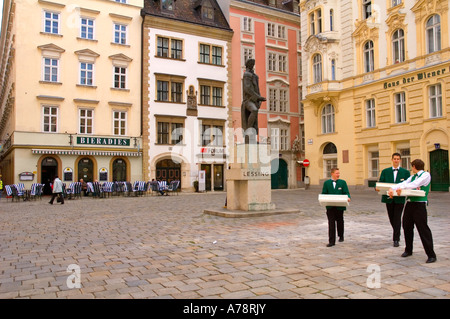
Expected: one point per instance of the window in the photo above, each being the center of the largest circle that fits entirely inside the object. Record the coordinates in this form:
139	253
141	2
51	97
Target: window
328	119
275	138
120	33
312	24
370	113
329	159
333	69
406	158
367	9
163	133
319	21
276	62
167	5
212	135
169	131
396	2
284	139
400	107
169	89
373	164
331	20
207	11
51	22
317	68
271	29
167	47
210	54
120	77
86	73
435	96
278	99
433	34
87	28
120	122
398	46
51	70
247	24
368	57
86	117
281	32
217	96
211	93
50	119
248	54
315	22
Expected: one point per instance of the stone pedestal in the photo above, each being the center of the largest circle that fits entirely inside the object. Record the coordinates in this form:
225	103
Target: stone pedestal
249	178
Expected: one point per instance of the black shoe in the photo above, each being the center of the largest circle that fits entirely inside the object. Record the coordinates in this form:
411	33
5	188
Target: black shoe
431	260
50	203
341	239
330	245
406	254
396	243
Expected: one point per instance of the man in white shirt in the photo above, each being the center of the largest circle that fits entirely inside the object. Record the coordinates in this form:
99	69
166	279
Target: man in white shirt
416	210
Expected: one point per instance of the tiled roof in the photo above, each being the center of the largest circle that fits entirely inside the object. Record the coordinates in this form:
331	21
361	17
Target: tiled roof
284	5
188	11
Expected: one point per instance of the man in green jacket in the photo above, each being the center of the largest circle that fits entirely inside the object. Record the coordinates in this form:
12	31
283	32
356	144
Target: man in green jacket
335	214
394	206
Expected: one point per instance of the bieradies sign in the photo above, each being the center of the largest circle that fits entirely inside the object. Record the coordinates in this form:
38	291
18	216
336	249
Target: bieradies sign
106	141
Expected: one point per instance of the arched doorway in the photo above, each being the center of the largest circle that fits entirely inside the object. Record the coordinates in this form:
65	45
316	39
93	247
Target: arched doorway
119	170
279	177
329	159
49	169
168	170
86	169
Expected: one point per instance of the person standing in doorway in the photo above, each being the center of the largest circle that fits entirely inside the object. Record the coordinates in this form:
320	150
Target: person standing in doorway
57	191
335	214
416	210
394	206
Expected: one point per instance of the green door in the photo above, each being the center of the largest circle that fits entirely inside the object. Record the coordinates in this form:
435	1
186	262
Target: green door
439	170
279	177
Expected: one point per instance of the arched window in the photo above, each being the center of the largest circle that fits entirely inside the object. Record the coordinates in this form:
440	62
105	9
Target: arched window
433	34
328	119
317	68
368	57
119	170
398	46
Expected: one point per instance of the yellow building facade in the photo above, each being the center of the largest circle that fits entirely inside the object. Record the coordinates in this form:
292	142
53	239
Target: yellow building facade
71	91
378	82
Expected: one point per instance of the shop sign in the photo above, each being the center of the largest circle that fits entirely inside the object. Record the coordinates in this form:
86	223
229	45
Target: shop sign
419	76
107	141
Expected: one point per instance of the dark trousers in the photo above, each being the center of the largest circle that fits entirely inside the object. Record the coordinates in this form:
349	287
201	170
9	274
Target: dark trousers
395	218
416	214
61	196
335	220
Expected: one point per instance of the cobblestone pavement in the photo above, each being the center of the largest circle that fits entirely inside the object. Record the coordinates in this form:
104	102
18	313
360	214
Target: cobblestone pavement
165	247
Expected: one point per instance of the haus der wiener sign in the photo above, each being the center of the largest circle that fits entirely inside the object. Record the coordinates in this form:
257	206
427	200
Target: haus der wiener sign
106	141
419	76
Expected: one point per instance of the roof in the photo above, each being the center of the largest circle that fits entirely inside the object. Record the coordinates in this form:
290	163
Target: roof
188	11
282	5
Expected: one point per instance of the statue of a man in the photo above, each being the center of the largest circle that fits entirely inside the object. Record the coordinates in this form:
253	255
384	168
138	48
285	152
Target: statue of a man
251	97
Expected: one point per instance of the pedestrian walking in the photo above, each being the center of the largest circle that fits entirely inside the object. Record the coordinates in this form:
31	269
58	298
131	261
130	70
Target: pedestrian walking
416	210
394	206
335	214
57	191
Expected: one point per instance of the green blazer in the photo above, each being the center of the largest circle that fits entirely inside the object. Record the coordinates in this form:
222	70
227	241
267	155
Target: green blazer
340	189
387	176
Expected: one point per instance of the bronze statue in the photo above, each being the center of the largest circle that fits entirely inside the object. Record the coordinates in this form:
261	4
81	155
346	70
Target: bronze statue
251	99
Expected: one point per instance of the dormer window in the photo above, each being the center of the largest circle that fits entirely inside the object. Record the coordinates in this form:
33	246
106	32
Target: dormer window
167	5
207	11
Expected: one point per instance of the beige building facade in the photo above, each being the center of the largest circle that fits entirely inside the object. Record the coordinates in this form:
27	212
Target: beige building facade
377	81
70	103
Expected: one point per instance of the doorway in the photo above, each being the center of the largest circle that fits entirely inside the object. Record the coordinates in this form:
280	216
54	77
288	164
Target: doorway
49	169
439	167
119	170
279	177
168	170
86	169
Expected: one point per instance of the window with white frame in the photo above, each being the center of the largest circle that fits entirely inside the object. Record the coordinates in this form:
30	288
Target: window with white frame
435	100
87	28
433	34
373	164
281	32
86	73
120	77
120	33
406	157
248	54
49	119
277	62
51	70
86	119
247	24
398	46
51	22
284	139
317	68
278	98
327	117
400	107
120	122
275	138
271	29
369	57
370	113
